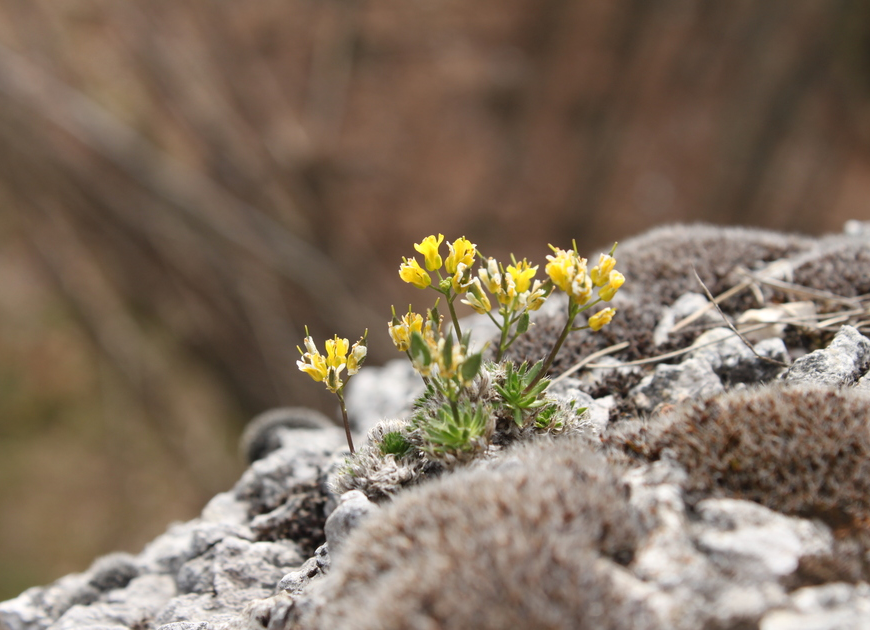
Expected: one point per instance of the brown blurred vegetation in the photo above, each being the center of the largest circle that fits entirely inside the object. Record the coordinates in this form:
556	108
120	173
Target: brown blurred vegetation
184	184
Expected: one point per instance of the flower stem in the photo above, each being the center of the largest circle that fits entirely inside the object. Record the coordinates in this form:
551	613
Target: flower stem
340	395
573	310
504	332
453	315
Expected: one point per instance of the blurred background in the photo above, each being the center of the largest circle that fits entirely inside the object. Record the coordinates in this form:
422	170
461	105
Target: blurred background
185	184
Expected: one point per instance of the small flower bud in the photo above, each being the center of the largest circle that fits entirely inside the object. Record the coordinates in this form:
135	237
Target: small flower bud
411	272
601	318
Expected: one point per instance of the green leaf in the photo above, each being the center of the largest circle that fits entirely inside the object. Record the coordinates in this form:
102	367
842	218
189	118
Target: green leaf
518	416
523	324
394	443
419	350
447	351
532	373
471	366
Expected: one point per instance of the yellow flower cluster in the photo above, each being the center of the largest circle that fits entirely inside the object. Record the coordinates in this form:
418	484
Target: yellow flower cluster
568	271
402	329
457	264
339	356
439	355
512	287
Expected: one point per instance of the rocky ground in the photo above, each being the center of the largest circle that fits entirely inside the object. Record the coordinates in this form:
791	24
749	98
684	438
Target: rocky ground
716	481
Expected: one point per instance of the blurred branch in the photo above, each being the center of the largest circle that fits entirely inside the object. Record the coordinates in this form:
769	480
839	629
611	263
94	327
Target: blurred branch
200	198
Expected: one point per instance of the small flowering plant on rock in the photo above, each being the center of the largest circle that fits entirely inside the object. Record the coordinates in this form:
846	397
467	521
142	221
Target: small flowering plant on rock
327	369
470	404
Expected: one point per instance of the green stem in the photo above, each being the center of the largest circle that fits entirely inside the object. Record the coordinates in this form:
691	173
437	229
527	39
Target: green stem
573	310
504	331
455	408
453	314
340	395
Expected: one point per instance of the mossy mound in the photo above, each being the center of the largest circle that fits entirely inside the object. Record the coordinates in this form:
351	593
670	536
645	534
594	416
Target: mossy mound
527	543
800	450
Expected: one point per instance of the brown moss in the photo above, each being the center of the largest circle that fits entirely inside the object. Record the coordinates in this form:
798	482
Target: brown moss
521	545
843	271
800	450
658	265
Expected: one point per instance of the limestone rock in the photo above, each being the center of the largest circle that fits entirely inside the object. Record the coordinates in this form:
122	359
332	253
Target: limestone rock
843	362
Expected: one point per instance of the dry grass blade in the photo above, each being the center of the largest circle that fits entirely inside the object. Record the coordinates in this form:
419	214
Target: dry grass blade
587	360
731	326
802	291
675	353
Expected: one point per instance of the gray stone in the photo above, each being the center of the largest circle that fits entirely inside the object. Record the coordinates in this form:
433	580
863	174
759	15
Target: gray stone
376	393
295	581
183	541
597	412
843	362
235	564
685	305
187	625
836	606
275	429
754	543
274	613
353	508
37	608
735	362
113	571
693	378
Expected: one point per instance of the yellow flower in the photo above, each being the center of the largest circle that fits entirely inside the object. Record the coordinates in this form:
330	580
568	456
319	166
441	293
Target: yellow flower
490	276
581	288
601	272
601	318
314	365
356	357
534	299
567	270
461	251
615	281
522	274
461	279
562	268
411	272
508	289
400	330
336	352
318	367
477	299
429	249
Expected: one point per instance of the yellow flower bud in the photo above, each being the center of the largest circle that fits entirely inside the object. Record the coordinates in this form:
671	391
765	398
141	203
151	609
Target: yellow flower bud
355	358
461	251
507	291
615	281
490	276
477	299
461	279
601	318
400	330
601	272
429	249
411	272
